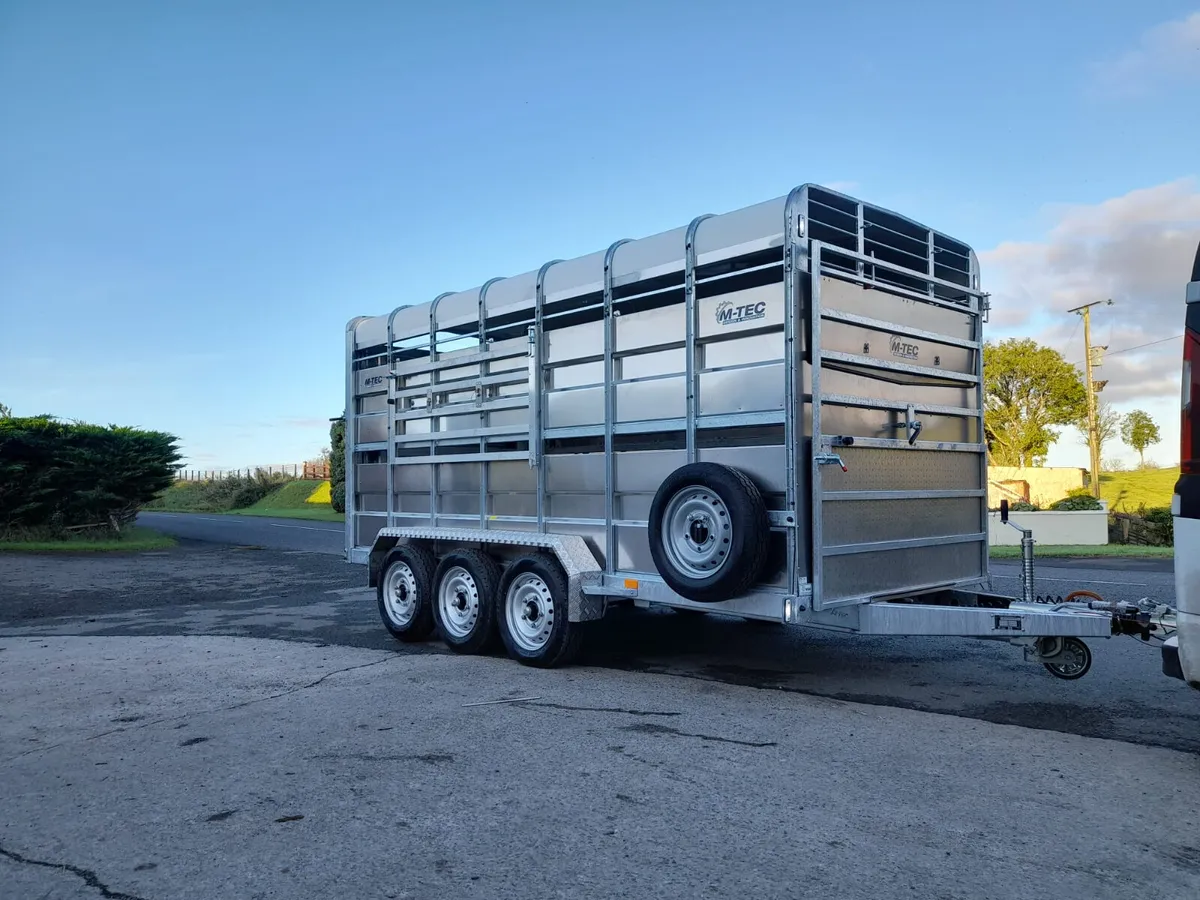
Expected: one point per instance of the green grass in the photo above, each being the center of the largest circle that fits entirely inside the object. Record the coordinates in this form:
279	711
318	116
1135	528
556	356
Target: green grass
131	540
291	502
1049	551
182	496
288	501
1127	491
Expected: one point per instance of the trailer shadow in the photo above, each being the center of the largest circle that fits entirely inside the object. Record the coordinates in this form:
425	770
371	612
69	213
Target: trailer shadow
207	589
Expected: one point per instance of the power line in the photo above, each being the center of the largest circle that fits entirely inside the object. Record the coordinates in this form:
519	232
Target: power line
1071	339
1140	346
1109	353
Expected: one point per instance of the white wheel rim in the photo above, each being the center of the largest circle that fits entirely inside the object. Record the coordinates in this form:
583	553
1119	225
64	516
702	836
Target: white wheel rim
529	611
696	532
400	594
458	602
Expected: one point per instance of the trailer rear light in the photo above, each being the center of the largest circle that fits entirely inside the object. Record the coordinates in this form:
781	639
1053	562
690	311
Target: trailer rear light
1189	432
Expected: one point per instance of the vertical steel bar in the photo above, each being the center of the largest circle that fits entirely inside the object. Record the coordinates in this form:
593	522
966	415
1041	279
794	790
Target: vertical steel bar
536	441
978	304
485	468
691	310
390	454
862	238
610	413
433	423
795	268
817	536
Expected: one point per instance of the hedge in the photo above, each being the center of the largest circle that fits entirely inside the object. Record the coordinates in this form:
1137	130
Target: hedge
57	476
337	465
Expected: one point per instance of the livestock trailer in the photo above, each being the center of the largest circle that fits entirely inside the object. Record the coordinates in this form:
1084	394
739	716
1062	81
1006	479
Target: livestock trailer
775	413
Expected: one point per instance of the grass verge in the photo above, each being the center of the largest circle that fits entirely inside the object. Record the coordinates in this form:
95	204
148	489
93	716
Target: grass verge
1050	551
293	501
132	540
1128	491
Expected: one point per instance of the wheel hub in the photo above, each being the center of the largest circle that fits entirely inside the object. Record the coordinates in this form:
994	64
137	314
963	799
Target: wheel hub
400	594
529	611
697	532
458	602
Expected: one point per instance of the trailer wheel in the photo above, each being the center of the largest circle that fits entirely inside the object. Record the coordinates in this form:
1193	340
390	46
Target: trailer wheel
1072	661
533	613
709	532
464	602
405	592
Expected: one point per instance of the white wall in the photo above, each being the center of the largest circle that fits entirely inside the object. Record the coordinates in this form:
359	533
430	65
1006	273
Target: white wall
1085	528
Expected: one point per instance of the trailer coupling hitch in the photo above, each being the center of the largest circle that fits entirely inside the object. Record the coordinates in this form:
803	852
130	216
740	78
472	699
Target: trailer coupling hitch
1144	619
1070	658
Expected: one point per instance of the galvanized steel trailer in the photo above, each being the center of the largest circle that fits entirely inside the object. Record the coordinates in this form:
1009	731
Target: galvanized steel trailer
776	413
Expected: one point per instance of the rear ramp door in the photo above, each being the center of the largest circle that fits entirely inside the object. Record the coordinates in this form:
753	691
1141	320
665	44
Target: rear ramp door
897	385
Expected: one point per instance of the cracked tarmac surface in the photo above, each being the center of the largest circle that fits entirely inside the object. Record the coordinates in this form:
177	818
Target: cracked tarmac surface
214	721
303	596
199	767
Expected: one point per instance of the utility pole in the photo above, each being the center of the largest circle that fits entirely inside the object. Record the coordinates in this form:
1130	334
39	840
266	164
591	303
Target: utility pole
1092	388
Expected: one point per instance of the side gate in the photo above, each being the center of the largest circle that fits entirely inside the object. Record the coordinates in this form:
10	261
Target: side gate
899	468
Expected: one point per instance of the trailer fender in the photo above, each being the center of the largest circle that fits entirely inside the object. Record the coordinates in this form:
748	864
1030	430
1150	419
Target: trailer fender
379	552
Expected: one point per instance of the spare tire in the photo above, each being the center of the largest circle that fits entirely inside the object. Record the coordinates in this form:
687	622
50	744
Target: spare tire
709	532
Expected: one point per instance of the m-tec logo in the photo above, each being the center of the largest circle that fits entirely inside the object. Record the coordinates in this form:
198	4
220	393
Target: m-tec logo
903	349
728	314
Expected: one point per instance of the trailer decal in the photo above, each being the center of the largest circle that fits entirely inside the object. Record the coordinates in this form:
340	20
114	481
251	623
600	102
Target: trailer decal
728	314
903	349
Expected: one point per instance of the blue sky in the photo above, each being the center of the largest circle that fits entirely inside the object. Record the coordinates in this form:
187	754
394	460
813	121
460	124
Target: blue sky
195	197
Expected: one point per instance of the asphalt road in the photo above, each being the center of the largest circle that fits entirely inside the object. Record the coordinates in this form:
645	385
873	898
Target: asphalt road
261	578
250	531
195	768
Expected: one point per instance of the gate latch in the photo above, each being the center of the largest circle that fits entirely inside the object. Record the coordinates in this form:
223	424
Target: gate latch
830	459
911	424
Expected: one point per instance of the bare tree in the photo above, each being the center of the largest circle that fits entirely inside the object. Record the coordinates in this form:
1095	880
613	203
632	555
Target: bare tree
1108	426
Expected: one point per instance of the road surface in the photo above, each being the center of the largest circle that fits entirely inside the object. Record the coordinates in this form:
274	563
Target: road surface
208	767
250	531
226	584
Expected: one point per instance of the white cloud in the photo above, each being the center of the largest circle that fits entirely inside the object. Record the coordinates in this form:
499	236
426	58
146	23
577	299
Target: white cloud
1166	52
1136	249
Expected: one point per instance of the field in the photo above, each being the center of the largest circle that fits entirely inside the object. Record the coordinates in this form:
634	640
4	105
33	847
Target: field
285	499
1128	491
295	500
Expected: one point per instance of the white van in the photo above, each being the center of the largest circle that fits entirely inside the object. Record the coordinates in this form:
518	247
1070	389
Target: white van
1181	652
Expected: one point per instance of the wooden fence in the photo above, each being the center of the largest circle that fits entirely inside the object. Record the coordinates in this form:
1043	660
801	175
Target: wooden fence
317	470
